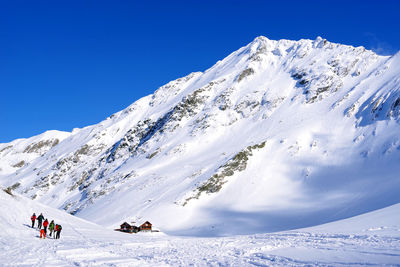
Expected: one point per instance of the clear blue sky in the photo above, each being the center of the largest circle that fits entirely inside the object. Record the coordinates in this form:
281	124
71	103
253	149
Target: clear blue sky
67	64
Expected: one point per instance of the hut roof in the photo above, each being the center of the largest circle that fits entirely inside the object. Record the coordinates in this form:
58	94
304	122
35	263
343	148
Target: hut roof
146	222
125	224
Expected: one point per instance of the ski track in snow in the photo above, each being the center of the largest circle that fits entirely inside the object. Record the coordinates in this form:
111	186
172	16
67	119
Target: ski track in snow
303	248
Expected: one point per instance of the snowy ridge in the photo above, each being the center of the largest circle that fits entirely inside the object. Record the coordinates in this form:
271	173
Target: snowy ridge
22	152
278	135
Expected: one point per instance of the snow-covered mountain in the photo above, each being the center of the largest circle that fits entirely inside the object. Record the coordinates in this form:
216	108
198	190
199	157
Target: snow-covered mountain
278	135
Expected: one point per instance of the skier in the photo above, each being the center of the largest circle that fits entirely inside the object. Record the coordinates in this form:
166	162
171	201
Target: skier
59	228
40	219
45	223
33	218
51	227
42	233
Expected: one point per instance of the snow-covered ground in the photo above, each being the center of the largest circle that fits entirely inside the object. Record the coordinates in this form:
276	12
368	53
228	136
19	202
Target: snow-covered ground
228	163
371	239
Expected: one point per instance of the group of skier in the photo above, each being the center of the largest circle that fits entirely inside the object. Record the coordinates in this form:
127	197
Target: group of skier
53	228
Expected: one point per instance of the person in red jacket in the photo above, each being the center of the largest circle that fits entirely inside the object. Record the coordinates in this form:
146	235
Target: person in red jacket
42	233
33	218
45	223
58	231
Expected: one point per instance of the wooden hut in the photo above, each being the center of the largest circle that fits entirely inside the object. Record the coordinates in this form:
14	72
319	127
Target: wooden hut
127	228
145	226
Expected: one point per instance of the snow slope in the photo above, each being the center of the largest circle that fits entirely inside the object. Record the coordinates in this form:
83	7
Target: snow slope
22	152
370	239
279	135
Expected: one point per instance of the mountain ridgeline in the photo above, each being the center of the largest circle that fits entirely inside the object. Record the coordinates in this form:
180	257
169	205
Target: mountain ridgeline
278	135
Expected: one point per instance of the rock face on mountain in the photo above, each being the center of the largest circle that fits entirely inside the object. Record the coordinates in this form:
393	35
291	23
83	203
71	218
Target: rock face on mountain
278	135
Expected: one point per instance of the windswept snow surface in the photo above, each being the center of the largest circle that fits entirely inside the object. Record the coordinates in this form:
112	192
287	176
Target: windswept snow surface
371	239
279	135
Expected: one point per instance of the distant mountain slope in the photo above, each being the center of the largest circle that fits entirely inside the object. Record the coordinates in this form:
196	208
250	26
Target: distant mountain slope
278	135
22	152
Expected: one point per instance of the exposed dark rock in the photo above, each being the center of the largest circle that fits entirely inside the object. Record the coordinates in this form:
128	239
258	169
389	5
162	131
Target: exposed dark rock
9	189
5	148
19	164
84	150
236	164
245	73
35	147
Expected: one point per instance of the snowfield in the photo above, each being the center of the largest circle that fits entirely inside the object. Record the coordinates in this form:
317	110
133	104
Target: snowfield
283	153
371	239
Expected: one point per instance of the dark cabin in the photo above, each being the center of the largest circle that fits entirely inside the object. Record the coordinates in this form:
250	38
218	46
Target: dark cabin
127	228
145	226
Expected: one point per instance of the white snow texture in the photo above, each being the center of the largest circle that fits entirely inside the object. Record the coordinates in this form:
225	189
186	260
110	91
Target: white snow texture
240	159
